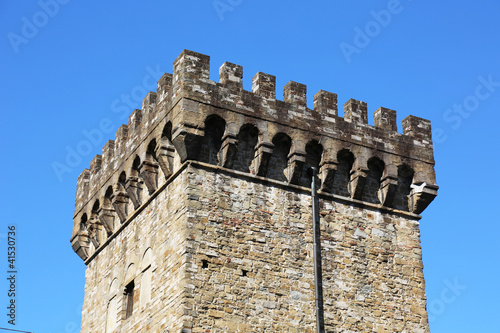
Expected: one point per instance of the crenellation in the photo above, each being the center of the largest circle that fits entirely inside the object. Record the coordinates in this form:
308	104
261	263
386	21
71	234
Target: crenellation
385	119
190	76
296	94
264	85
134	122
216	136
82	189
95	166
163	87
418	128
121	135
149	107
325	104
108	152
356	112
231	76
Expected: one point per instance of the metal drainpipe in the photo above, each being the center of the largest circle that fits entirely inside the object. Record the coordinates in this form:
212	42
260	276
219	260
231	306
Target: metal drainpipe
318	279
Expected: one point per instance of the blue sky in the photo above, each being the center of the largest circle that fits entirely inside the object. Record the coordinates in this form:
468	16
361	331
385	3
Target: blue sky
69	68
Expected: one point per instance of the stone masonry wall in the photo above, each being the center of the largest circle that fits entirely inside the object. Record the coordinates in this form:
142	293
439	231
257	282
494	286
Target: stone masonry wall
256	241
233	253
161	228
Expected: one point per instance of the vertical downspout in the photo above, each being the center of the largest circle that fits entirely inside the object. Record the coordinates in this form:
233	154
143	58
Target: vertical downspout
318	279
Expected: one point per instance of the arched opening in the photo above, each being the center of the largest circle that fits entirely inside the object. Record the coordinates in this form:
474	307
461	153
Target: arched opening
122	179
279	158
167	132
314	152
405	178
83	222
95	209
128	293
134	172
245	151
372	185
107	203
341	182
151	151
214	130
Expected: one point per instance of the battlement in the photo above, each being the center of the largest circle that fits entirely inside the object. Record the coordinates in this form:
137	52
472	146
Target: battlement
192	118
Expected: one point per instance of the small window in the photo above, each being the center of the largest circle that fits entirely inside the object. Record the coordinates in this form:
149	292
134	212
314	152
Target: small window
129	299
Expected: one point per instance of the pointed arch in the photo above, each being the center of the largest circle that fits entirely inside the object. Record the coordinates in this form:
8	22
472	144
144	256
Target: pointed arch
134	171
83	222
151	151
212	141
372	185
247	140
107	201
279	158
122	179
167	132
314	152
341	181
405	177
95	208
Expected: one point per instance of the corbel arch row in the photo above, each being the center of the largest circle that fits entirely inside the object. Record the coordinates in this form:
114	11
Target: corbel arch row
345	169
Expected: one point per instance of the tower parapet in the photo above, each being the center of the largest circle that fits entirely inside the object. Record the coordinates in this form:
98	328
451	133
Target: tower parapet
192	118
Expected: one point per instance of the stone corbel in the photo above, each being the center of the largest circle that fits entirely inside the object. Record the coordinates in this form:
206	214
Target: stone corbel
148	171
165	153
261	161
119	200
296	161
388	185
421	196
132	188
80	244
187	142
327	175
93	228
107	219
358	173
228	150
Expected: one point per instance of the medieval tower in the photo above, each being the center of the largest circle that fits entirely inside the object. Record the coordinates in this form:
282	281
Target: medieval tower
197	217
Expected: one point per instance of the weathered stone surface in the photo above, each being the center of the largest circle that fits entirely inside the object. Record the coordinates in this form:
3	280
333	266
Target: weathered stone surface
199	212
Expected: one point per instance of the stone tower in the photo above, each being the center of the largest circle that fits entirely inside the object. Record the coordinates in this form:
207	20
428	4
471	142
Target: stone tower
197	217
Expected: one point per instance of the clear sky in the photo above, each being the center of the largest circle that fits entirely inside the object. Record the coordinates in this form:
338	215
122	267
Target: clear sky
67	66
